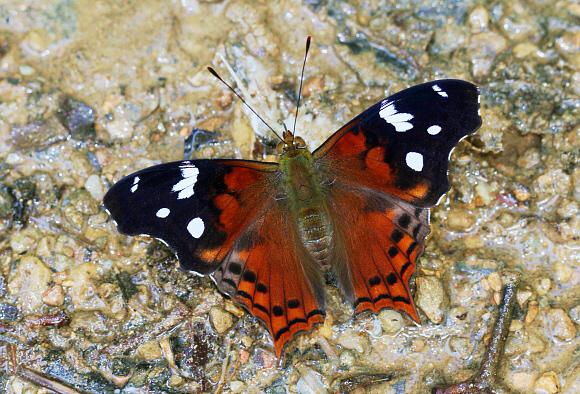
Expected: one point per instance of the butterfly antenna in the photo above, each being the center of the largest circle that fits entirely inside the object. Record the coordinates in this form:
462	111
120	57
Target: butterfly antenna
301	80
244	92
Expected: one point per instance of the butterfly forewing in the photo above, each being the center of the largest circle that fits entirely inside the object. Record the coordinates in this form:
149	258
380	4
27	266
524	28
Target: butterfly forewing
401	145
197	207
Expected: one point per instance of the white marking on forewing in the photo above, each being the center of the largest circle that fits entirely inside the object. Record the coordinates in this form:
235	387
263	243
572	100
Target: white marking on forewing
399	120
196	227
135	184
163	213
434	130
439	91
414	161
189	172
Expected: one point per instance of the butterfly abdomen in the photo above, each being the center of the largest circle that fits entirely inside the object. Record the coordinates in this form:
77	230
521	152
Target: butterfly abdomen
316	233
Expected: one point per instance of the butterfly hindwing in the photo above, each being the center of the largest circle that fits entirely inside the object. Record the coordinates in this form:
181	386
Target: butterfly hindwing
378	259
270	274
401	145
197	207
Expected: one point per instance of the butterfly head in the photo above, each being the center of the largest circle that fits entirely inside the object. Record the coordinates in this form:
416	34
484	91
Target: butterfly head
290	143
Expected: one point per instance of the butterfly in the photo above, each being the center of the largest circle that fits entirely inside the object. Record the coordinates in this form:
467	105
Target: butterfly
358	206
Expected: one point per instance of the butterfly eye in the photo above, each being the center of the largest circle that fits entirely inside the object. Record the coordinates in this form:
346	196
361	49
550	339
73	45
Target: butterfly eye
299	142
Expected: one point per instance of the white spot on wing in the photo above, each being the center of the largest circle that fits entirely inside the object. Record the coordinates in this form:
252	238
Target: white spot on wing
163	213
189	172
196	227
399	120
434	130
439	91
135	184
414	161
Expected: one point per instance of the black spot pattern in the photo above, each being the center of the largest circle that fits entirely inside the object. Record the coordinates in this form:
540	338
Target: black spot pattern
249	276
278	311
396	236
391	279
293	304
235	268
404	220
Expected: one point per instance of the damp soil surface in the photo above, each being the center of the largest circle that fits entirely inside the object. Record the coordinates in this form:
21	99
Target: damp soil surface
91	91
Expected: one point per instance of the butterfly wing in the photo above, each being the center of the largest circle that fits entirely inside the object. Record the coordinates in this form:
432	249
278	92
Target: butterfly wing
272	275
401	145
198	207
228	219
381	172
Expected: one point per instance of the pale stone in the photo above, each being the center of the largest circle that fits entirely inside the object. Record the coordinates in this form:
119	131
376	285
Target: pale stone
562	272
391	321
479	19
533	310
459	220
494	281
548	383
522	380
54	296
94	186
561	325
431	298
30	283
543	286
354	340
150	351
237	386
220	319
462	346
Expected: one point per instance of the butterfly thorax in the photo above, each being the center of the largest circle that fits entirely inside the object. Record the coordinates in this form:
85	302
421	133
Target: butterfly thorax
304	195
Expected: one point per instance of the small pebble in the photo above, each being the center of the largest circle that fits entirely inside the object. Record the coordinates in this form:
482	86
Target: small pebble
347	358
431	298
479	19
523	296
176	380
30	282
150	351
494	281
548	383
575	314
523	381
459	219
543	286
220	319
94	186
524	49
391	321
462	346
417	345
562	272
533	310
561	325
237	386
522	193
354	340
54	296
